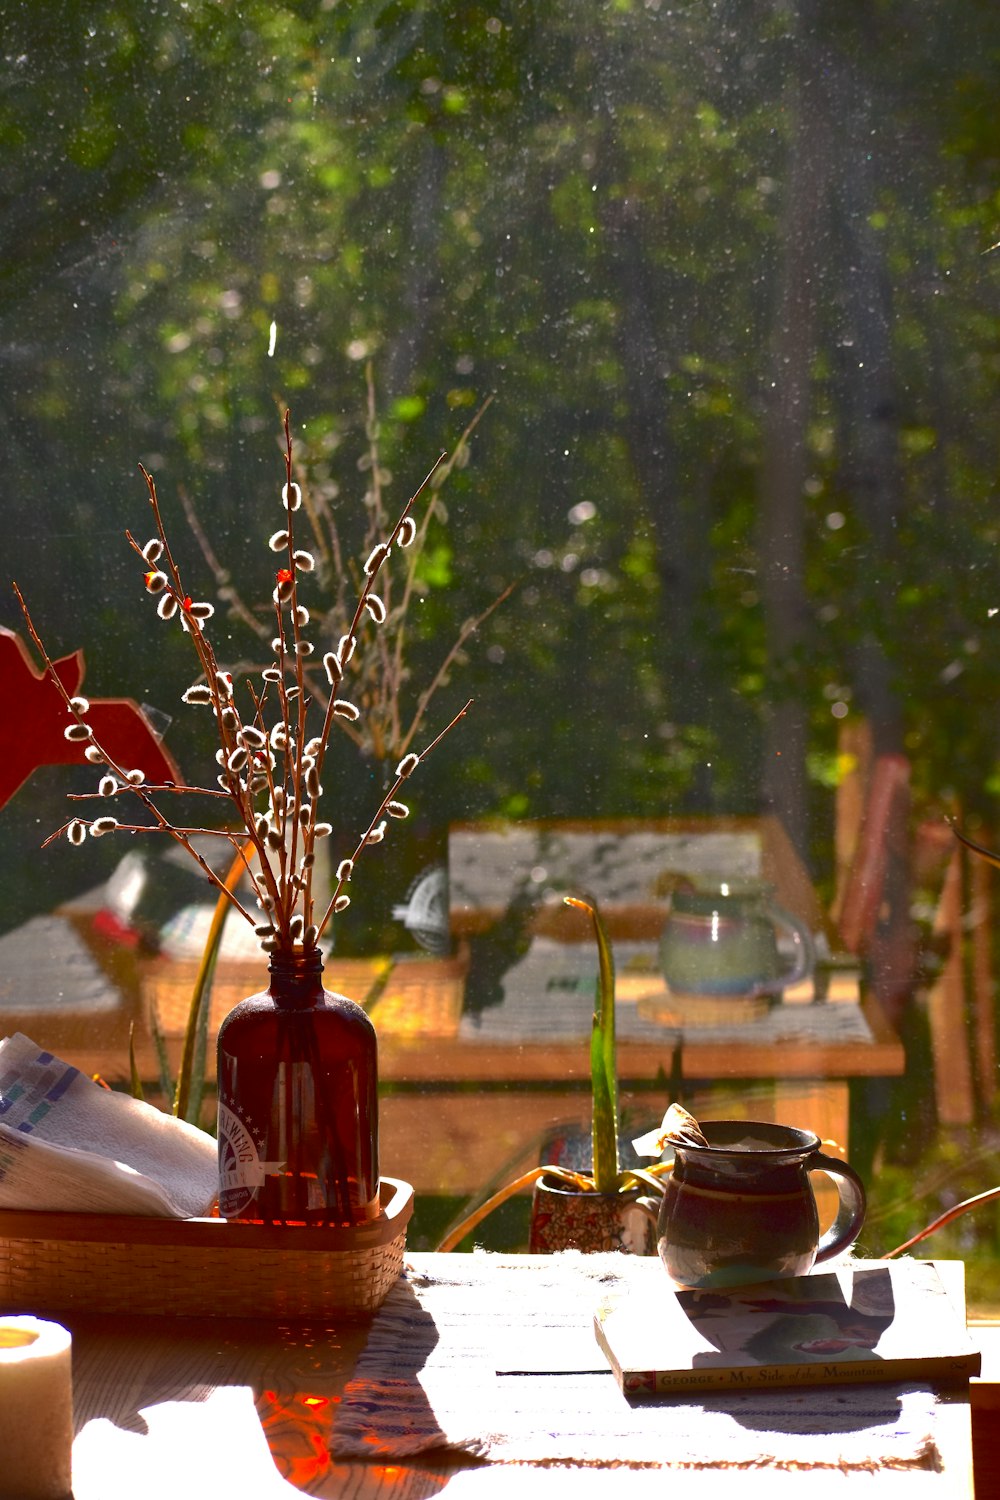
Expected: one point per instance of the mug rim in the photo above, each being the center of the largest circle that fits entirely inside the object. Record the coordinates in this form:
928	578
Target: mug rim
795	1141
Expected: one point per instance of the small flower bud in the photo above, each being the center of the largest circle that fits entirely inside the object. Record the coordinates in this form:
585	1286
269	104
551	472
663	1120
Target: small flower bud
201	611
345	869
278	541
301	615
376	835
153	550
166	606
277	643
407	765
332	667
77	732
80	705
304	561
304	648
313	746
375	607
255	738
136	777
199	692
155	581
224	683
312	784
322	830
346	710
342	903
376	558
271	674
107	786
397	809
100	826
291	496
406	531
345	648
237	759
94	755
230	718
76	831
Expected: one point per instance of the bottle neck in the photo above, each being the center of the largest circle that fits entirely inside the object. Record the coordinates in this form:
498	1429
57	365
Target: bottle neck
296	976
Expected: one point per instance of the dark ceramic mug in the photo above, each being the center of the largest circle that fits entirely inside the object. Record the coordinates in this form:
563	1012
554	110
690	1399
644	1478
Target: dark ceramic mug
741	1209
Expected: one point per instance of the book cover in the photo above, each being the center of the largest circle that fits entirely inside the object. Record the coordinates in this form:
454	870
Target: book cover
865	1321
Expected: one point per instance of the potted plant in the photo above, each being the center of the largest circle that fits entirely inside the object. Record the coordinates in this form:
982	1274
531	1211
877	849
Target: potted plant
298	1112
605	1208
407	908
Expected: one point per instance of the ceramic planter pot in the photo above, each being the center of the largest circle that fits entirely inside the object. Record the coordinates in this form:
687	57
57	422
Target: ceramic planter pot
565	1219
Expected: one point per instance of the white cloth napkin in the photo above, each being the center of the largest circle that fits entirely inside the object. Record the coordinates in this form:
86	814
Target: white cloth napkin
67	1144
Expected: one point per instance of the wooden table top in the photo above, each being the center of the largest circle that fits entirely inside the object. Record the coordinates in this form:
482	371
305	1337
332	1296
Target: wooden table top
223	1407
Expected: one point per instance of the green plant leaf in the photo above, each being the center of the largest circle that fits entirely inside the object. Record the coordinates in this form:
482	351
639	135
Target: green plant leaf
603	1071
190	1079
133	1067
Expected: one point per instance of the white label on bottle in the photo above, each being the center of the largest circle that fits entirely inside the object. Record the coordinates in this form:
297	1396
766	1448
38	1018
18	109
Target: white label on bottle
241	1170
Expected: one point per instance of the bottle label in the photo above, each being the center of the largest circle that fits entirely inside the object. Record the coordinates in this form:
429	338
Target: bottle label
241	1171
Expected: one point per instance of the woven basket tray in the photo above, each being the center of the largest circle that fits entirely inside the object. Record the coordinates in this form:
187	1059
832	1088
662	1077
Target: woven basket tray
118	1263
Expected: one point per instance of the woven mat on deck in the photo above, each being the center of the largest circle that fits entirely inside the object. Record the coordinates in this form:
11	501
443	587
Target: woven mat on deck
498	1360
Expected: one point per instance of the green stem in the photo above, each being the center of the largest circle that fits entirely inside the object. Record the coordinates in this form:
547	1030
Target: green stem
203	984
603	1074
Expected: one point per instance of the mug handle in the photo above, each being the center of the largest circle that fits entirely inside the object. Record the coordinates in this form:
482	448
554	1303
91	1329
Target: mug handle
851	1209
805	948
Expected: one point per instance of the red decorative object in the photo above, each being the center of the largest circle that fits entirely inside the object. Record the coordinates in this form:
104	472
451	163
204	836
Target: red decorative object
33	716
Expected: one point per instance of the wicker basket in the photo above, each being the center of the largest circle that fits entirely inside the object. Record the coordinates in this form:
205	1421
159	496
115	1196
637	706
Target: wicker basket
117	1263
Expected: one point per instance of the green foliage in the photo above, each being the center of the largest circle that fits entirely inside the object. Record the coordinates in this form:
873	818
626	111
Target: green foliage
582	212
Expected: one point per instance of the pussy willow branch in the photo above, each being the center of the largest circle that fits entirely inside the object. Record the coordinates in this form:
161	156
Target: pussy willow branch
163	824
335	681
468	629
442	474
210	668
377	692
390	796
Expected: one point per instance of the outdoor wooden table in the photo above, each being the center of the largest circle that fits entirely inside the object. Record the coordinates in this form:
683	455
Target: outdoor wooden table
168	1407
463	1099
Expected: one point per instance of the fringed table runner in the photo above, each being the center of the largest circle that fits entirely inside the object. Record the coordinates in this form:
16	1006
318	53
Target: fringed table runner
496	1359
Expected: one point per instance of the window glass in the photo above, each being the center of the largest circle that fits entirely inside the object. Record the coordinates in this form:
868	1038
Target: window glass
701	300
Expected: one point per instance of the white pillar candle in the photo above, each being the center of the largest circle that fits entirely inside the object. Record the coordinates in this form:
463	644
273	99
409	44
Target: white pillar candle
36	1410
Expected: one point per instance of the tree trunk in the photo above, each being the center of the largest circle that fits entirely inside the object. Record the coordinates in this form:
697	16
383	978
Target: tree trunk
784	468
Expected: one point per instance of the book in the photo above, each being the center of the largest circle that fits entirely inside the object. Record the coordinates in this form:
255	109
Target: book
864	1321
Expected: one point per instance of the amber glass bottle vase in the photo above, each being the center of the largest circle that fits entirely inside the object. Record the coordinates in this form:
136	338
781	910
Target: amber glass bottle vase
298	1103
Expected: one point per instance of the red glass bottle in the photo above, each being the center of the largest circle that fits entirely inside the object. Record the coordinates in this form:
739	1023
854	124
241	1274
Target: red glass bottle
298	1103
